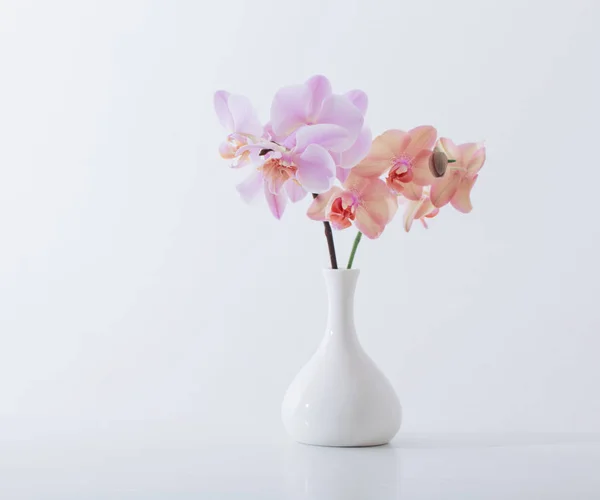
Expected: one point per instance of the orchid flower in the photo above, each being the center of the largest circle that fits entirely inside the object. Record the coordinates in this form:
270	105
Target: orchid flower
365	202
455	186
404	157
305	165
308	121
340	118
239	118
419	210
236	114
313	103
313	136
285	172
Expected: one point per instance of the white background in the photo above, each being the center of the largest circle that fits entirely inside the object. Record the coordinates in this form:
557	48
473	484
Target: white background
137	289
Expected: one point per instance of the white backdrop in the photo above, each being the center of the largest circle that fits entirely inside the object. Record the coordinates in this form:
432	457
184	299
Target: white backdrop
137	289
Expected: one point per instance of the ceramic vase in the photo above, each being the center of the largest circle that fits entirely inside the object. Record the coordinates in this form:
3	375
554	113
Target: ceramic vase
340	397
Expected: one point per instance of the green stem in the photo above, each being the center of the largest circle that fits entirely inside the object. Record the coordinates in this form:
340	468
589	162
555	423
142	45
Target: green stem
354	247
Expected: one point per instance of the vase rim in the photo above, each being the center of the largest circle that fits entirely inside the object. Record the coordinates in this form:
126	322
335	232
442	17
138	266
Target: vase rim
342	271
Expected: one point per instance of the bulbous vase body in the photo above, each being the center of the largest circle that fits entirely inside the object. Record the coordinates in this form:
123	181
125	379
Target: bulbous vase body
340	397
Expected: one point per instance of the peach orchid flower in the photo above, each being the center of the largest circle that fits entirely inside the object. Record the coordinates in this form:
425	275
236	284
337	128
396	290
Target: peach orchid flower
455	186
404	157
365	202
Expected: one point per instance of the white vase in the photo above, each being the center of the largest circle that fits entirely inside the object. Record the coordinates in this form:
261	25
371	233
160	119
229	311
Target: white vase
340	397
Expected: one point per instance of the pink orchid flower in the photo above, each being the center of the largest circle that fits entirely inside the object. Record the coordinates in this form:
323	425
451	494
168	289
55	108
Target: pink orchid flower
419	210
404	157
281	173
455	186
340	118
236	114
308	125
313	103
284	171
313	136
365	202
307	161
278	172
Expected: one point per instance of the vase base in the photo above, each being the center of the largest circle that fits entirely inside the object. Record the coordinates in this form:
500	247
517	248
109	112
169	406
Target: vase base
365	445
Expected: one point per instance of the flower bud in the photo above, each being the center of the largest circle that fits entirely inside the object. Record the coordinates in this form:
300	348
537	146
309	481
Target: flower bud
438	163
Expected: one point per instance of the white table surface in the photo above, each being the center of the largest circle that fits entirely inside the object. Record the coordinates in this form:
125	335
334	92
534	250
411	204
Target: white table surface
166	466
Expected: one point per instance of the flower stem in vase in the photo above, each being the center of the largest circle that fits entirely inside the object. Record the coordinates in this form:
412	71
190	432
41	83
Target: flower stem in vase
354	247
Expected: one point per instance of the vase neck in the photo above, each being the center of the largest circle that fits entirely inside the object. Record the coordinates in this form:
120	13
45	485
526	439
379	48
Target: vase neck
341	284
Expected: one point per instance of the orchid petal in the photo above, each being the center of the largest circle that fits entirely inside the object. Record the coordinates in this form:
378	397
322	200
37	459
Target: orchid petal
467	151
425	208
342	174
418	210
222	109
447	146
338	110
339	224
294	191
289	142
357	183
245	119
325	135
411	211
320	205
316	169
358	151
420	168
227	150
444	188
421	138
250	187
462	198
242	160
379	201
397	140
359	99
269	134
476	162
276	202
290	109
365	223
378	160
412	191
320	89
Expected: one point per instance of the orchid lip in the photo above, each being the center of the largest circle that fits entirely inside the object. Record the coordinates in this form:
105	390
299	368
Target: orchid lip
401	163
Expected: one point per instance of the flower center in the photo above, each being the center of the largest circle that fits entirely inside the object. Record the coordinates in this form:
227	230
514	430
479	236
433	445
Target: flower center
343	211
401	173
402	168
277	173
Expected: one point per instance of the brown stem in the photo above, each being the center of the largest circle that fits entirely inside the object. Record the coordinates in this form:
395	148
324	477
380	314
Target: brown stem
330	243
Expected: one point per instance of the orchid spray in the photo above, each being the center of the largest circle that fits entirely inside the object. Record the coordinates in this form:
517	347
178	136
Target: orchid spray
317	142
